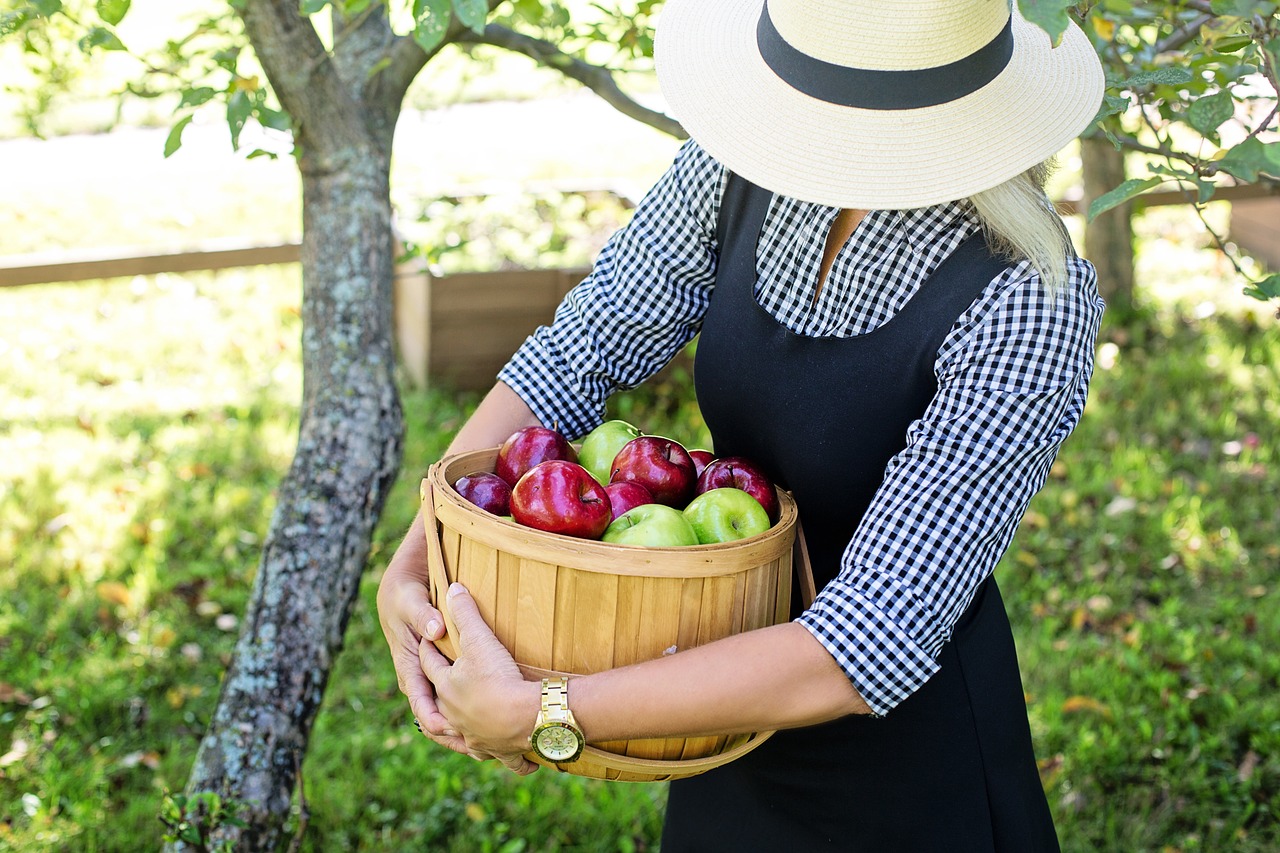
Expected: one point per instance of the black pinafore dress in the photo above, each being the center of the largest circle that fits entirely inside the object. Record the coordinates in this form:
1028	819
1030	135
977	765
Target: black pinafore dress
951	768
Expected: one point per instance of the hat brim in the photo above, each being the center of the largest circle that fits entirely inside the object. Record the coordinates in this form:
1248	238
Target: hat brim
758	126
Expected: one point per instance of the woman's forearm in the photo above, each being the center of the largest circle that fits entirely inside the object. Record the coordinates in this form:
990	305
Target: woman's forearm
772	678
499	414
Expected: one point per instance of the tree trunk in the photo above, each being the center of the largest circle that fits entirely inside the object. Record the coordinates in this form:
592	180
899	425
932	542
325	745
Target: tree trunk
1108	240
348	454
349	440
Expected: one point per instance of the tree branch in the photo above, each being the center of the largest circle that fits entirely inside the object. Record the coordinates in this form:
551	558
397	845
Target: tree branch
301	71
594	77
1181	35
405	58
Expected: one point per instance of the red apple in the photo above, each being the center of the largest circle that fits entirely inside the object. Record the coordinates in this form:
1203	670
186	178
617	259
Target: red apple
625	496
528	447
561	497
487	491
660	465
701	459
735	472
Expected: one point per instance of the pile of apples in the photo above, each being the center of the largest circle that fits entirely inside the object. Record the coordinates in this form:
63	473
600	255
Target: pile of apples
624	487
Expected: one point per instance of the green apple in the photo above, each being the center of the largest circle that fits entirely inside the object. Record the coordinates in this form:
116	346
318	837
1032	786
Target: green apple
726	514
602	444
651	525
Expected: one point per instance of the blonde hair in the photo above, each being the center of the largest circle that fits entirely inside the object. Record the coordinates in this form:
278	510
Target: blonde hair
1020	223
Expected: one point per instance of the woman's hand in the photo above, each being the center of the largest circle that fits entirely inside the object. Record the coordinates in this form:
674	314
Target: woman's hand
483	693
408	620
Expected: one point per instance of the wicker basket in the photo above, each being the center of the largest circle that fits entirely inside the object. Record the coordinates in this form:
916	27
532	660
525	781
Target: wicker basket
567	606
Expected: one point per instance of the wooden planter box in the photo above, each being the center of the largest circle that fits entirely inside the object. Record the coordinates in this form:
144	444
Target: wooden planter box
459	330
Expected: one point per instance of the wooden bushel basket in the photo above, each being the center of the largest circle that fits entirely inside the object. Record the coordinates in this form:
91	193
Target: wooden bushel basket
566	606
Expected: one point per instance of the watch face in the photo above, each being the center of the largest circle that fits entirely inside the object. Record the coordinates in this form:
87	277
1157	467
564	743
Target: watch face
557	742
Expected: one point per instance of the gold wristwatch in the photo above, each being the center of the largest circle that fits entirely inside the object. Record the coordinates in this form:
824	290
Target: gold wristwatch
556	737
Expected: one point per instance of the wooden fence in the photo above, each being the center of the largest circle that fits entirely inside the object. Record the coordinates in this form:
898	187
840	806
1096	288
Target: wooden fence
461	328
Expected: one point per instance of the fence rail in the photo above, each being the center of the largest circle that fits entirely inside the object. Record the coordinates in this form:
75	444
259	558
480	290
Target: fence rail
460	328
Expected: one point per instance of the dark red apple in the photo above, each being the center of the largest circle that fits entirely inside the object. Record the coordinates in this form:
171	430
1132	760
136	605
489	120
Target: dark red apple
561	497
528	447
735	472
625	496
660	465
487	491
701	459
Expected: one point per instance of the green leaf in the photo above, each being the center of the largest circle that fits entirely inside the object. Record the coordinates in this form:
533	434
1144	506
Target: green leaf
472	13
113	11
1273	51
311	7
1111	105
197	96
528	10
351	8
1049	15
239	108
1206	114
1251	157
1204	190
431	22
1121	194
274	119
1232	44
100	37
47	8
1169	75
11	22
174	140
1242	8
1268	288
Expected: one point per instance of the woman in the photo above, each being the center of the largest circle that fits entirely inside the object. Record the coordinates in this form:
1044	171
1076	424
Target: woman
893	323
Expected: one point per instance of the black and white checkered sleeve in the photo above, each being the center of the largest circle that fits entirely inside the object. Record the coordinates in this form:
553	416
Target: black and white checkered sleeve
1013	377
643	301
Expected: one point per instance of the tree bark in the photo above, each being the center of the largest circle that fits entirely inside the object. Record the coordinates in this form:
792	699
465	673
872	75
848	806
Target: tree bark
1108	240
349	443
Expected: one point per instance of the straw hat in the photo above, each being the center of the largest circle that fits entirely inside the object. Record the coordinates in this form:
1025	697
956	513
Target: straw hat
874	104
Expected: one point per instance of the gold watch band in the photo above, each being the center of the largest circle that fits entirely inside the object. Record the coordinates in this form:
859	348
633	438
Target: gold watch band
555	698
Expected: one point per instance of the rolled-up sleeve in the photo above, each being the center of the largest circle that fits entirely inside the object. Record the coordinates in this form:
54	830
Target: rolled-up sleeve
1012	380
642	302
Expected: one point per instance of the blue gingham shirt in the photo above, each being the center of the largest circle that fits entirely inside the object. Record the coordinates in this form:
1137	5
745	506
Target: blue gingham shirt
1012	375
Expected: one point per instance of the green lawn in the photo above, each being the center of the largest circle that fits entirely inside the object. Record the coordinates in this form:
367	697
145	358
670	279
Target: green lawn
146	422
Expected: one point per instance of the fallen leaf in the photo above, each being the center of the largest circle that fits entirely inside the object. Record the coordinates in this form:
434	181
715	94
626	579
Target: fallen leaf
164	637
13	695
115	592
1086	704
17	751
1250	763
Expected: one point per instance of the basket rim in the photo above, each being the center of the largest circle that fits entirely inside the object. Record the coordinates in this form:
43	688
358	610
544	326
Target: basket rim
653	561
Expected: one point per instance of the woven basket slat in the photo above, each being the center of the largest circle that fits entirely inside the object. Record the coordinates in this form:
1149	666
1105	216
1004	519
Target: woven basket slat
533	630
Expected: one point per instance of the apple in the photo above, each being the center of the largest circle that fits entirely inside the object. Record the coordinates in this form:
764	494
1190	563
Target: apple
559	496
625	496
739	473
660	465
653	526
487	491
602	444
701	459
528	447
726	514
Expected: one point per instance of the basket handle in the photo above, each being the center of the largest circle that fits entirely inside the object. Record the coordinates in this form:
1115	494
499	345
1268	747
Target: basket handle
437	572
804	569
663	768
